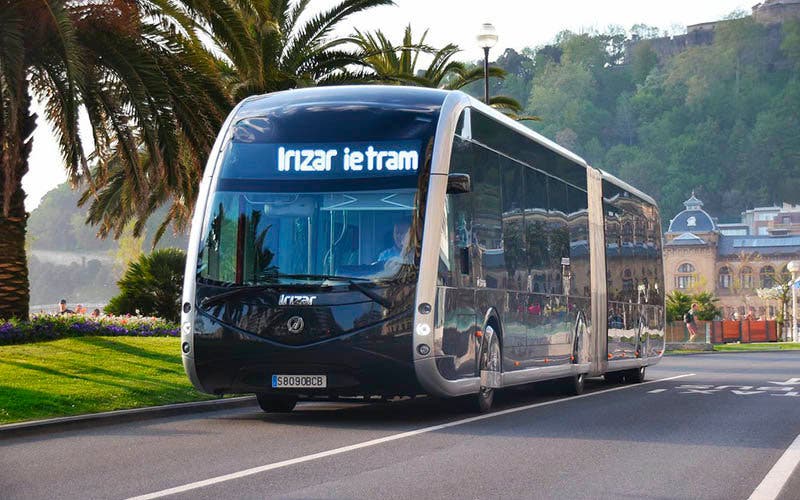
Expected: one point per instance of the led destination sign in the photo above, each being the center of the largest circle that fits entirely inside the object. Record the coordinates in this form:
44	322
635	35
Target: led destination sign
321	160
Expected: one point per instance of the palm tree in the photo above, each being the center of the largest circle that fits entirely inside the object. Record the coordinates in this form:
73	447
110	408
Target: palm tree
153	101
398	64
258	46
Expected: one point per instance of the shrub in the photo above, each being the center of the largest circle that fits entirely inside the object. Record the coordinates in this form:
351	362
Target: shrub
678	303
45	327
151	286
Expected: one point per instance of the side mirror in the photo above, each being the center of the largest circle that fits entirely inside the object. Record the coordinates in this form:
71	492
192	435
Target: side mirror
458	184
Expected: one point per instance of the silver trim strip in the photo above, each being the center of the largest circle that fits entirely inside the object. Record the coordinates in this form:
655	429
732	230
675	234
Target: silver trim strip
623	364
598	343
529	375
425	366
194	248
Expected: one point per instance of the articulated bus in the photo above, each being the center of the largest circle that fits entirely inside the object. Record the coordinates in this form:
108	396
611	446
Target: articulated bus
375	241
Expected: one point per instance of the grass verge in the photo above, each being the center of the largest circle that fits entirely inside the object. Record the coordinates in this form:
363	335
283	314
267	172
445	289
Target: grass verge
759	346
90	374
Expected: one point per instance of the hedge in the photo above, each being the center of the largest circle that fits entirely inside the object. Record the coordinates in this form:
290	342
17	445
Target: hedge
47	327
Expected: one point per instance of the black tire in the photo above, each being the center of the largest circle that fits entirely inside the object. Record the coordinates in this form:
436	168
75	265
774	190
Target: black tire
276	403
614	377
635	376
490	358
575	384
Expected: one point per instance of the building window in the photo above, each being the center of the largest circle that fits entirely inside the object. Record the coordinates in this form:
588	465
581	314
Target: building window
724	277
767	276
684	279
747	278
684	282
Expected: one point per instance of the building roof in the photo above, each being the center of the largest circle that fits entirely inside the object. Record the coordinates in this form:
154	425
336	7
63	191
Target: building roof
764	245
687	239
692	220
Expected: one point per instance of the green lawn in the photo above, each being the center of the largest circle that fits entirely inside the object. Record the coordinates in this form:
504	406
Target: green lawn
759	346
90	374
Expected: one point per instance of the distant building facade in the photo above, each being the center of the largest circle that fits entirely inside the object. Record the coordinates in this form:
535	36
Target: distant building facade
731	260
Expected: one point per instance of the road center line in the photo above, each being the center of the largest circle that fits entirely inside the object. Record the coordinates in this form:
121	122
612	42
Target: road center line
779	475
373	442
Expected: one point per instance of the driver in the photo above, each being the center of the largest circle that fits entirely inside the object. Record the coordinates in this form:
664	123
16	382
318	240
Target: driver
398	251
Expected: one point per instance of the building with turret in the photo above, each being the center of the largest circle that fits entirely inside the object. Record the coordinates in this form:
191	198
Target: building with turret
732	261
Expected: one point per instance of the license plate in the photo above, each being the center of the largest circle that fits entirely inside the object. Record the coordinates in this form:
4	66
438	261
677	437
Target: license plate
299	381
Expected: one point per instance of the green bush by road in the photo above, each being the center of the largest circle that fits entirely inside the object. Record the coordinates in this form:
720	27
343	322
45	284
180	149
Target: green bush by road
90	374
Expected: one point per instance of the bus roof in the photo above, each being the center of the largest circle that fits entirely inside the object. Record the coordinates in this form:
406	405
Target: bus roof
415	98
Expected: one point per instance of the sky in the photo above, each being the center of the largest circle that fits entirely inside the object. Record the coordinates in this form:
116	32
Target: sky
519	24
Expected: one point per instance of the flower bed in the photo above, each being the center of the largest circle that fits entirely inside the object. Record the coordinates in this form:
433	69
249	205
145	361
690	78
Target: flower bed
46	327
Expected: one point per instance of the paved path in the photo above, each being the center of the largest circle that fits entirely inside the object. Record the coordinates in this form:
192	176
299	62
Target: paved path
715	434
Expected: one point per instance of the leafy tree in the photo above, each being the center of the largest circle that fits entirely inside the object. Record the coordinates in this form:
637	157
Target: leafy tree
678	303
143	84
258	46
152	286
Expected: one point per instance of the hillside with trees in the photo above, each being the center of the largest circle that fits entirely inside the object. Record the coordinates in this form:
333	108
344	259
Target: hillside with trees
720	119
68	260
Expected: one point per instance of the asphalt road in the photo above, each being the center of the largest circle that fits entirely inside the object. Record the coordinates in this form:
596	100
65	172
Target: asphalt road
714	434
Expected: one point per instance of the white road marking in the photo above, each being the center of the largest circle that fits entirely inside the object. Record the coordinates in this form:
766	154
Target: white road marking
373	442
656	391
779	475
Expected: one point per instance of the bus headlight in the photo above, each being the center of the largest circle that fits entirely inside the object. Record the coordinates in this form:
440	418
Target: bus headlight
423	329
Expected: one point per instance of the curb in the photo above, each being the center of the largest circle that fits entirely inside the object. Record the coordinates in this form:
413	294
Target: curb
120	416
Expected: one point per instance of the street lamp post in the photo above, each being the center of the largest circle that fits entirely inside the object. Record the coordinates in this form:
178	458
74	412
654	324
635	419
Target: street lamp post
793	267
487	37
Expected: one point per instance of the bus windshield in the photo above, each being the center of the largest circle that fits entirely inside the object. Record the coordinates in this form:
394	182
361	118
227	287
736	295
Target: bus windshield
258	238
319	189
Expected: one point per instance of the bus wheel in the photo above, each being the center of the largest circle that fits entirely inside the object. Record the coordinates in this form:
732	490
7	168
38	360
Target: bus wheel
490	361
635	376
575	384
613	377
276	403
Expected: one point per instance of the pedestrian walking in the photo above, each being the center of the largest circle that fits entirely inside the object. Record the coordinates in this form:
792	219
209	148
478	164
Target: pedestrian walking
691	324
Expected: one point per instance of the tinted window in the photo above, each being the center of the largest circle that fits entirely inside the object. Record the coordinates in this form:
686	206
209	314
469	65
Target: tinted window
513	224
536	229
488	227
458	230
509	142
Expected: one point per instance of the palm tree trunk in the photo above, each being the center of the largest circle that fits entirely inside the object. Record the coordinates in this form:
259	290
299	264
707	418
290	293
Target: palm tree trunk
17	140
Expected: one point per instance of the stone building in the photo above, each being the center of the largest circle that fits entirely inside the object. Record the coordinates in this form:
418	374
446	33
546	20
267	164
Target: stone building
770	13
732	261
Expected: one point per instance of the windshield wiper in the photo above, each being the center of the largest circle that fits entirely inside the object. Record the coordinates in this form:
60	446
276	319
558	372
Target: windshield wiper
354	285
235	292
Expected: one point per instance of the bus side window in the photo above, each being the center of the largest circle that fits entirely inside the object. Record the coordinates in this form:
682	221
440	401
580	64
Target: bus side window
459	226
488	231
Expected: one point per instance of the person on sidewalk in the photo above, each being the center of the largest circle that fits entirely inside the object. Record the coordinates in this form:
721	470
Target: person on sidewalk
691	324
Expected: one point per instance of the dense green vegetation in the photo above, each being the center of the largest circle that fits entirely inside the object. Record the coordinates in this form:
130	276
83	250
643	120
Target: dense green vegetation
152	286
90	374
678	303
718	119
